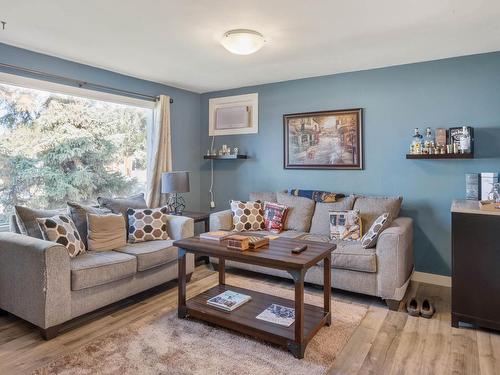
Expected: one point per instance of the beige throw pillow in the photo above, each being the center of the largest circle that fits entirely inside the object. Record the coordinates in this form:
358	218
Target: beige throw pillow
106	232
345	225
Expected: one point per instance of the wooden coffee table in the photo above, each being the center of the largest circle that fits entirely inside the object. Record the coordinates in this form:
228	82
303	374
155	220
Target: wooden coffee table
308	318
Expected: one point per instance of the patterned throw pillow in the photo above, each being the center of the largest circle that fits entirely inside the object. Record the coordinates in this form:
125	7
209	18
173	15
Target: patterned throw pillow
345	225
316	195
274	217
147	224
247	216
62	229
370	238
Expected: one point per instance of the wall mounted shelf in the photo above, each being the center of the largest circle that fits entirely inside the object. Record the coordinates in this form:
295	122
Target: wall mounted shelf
224	157
439	156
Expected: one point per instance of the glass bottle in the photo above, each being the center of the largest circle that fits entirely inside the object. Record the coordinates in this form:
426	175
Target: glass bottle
465	140
416	143
428	140
494	195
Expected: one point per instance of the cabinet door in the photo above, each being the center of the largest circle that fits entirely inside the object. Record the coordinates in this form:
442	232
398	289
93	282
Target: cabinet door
476	265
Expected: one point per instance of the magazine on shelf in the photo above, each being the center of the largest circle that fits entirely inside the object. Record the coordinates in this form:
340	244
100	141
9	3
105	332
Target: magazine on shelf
229	300
215	236
278	314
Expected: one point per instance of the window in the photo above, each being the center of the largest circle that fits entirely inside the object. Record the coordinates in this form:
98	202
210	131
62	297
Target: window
56	148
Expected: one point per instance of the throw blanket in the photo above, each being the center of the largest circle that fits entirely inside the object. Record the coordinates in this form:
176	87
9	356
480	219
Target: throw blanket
316	195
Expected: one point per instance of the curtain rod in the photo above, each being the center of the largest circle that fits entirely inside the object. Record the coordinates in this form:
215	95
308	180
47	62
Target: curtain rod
80	83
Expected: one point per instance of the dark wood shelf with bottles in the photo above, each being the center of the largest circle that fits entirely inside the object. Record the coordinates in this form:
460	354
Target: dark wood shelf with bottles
225	157
440	156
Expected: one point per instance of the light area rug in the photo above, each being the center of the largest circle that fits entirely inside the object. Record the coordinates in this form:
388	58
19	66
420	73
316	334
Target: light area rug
168	345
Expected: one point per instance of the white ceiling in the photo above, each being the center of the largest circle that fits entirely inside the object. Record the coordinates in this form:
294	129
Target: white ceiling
176	41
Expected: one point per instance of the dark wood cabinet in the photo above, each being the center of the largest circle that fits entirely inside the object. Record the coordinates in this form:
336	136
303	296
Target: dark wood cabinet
475	266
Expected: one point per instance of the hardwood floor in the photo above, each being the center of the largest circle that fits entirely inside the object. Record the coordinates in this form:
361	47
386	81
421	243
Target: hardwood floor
386	342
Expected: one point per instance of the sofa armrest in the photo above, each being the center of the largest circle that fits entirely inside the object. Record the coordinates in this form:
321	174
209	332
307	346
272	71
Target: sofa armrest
395	258
180	227
35	279
222	220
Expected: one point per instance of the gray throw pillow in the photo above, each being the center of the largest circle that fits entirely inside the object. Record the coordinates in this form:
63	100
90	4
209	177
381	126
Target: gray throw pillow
300	211
320	223
370	238
78	213
370	208
121	205
27	219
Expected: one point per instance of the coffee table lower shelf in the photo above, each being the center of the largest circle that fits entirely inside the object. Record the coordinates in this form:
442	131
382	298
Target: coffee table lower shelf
244	320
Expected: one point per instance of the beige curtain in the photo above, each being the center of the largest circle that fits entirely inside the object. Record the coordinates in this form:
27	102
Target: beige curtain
160	151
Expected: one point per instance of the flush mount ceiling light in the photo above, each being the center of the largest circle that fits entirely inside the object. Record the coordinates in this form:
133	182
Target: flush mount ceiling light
242	41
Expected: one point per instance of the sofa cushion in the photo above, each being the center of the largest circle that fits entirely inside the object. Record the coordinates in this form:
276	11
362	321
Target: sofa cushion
300	211
264	196
121	205
151	254
372	207
26	219
349	255
78	213
98	268
106	232
320	223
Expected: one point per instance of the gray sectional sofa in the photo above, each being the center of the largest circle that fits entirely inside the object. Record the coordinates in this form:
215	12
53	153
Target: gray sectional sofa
383	271
40	283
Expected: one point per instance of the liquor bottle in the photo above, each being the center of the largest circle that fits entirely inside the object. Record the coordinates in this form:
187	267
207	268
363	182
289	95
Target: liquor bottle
416	143
428	141
465	140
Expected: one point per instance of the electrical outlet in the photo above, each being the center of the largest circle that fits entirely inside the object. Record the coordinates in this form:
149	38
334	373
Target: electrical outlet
212	204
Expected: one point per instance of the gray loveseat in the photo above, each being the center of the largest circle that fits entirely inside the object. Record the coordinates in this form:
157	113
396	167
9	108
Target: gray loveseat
383	271
40	283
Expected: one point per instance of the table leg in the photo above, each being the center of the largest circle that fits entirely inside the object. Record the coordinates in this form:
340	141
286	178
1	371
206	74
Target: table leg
222	271
327	288
207	225
298	347
181	265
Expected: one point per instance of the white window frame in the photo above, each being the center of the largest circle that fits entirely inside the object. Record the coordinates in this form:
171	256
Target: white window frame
57	88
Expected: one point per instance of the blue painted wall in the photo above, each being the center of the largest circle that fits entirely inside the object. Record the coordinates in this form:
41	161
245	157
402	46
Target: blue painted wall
444	93
185	111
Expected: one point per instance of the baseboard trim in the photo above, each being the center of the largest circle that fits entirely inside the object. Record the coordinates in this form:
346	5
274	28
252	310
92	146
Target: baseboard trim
431	278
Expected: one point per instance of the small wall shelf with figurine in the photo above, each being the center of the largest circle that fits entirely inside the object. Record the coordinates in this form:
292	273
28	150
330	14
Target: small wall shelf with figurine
225	157
440	156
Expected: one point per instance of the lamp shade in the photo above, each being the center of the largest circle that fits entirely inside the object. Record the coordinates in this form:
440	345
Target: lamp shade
175	182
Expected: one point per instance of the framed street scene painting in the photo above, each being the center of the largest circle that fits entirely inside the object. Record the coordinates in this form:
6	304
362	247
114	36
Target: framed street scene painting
323	140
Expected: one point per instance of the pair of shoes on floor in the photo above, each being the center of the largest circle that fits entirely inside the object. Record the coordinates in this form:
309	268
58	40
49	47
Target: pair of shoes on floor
424	309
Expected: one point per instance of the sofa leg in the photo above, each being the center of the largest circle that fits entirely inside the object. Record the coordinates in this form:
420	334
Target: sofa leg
215	266
51	332
392	304
188	277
